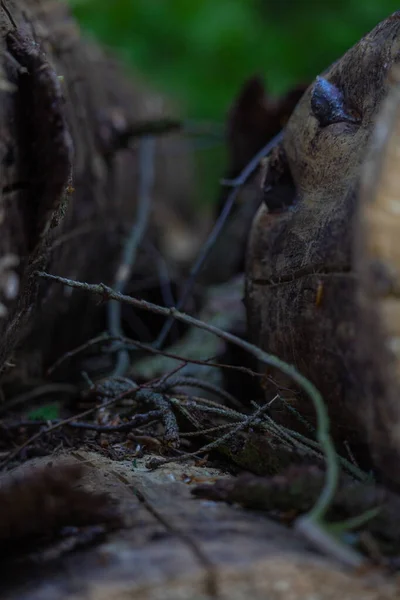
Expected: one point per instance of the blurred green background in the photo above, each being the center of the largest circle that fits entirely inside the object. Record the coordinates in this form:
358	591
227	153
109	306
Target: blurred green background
200	51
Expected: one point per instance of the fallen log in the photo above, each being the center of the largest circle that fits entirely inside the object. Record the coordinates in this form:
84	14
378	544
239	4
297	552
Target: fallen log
71	176
175	547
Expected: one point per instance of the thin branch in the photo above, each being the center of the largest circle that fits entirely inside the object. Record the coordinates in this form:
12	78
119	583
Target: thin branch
215	410
205	251
205	362
147	128
93	342
212	238
160	381
163	274
312	447
253	164
146	181
204	385
210	430
165	126
202	403
298	415
137	421
134	344
323	435
153	397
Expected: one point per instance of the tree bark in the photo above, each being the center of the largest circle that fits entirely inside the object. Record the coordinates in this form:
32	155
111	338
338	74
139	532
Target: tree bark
69	190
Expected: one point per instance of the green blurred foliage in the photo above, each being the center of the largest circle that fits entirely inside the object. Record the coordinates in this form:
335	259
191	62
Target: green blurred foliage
49	412
200	51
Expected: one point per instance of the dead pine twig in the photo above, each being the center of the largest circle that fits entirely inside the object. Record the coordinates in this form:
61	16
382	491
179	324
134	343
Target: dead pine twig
247	422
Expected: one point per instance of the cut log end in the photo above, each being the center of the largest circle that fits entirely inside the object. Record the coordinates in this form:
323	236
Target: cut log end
323	275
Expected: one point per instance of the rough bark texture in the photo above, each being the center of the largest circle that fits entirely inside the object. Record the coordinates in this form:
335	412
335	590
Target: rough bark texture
63	103
301	282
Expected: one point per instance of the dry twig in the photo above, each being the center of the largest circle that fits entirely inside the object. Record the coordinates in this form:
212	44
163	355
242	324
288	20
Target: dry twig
212	238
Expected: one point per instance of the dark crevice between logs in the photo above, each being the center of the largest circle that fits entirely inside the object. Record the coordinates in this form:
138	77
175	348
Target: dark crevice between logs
42	135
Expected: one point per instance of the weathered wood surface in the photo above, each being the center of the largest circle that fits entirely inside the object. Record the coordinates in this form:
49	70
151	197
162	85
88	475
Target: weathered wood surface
174	546
303	292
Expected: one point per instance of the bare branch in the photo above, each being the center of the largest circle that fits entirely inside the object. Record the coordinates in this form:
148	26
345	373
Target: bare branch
323	435
212	238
